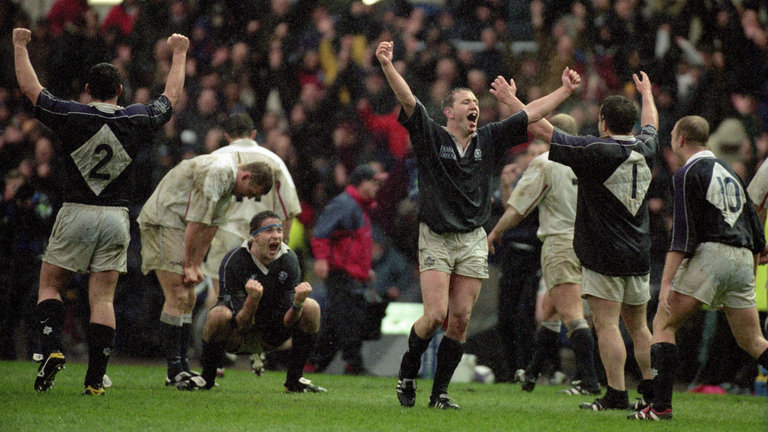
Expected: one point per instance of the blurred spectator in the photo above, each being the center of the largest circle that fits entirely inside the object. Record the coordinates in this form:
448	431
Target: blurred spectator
25	218
345	225
394	276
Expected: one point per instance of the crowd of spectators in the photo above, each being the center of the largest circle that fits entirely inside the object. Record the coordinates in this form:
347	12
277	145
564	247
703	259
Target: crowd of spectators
306	72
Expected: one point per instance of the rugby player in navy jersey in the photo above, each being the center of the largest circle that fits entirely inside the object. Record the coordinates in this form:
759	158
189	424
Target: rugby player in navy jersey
716	240
90	235
611	231
262	303
456	166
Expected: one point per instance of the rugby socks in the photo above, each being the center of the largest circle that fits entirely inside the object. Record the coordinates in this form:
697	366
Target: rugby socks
213	353
583	345
303	344
616	398
448	357
546	344
50	318
171	333
645	388
101	342
411	362
664	360
186	333
763	359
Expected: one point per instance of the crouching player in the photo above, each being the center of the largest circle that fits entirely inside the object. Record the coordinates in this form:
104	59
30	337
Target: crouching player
261	300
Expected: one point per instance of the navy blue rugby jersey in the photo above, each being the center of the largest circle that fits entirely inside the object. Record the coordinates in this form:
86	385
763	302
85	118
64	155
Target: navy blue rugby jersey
279	280
455	189
711	205
611	233
101	141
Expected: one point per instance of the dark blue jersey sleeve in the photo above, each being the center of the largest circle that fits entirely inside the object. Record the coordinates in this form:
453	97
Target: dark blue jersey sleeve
571	150
684	238
52	111
159	110
508	133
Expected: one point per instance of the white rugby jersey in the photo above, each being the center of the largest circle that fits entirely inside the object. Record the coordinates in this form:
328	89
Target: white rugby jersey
552	187
281	199
758	187
196	190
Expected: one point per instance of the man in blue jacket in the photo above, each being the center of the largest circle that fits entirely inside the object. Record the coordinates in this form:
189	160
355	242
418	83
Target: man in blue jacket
342	244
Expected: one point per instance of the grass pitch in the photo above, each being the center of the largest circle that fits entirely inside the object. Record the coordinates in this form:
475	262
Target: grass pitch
138	401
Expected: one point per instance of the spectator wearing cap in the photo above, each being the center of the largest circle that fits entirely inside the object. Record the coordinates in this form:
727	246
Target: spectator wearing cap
342	244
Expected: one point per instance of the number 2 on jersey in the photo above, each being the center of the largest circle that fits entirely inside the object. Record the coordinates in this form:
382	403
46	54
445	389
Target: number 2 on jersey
108	153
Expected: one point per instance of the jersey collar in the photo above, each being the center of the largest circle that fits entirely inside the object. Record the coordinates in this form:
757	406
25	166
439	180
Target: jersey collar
701	154
456	143
264	269
105	107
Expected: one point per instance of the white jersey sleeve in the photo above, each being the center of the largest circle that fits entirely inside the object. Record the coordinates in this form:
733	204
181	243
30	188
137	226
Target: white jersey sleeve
531	188
758	187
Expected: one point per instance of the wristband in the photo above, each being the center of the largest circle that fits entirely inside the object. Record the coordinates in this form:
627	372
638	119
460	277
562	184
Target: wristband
296	307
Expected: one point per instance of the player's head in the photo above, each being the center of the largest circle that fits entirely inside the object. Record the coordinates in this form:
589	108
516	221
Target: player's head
535	148
239	125
253	180
267	236
461	108
103	82
690	131
565	123
617	115
366	180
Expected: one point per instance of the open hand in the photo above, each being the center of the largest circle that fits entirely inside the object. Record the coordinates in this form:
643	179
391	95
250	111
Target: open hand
643	84
504	91
493	239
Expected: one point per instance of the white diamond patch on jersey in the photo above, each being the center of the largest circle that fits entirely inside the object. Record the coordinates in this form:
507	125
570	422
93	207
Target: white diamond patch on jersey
101	159
726	193
630	182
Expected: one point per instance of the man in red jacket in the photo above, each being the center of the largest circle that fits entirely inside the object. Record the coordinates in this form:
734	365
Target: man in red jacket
342	243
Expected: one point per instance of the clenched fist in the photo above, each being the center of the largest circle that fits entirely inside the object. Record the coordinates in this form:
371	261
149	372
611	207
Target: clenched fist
254	289
21	37
178	43
301	292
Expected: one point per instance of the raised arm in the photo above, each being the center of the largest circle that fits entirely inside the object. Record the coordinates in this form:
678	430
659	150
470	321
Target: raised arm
25	73
174	84
648	114
395	80
506	92
539	108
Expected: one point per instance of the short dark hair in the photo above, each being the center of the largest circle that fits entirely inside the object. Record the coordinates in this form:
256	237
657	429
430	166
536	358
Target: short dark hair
261	175
239	125
361	173
261	217
694	129
450	97
619	114
103	81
